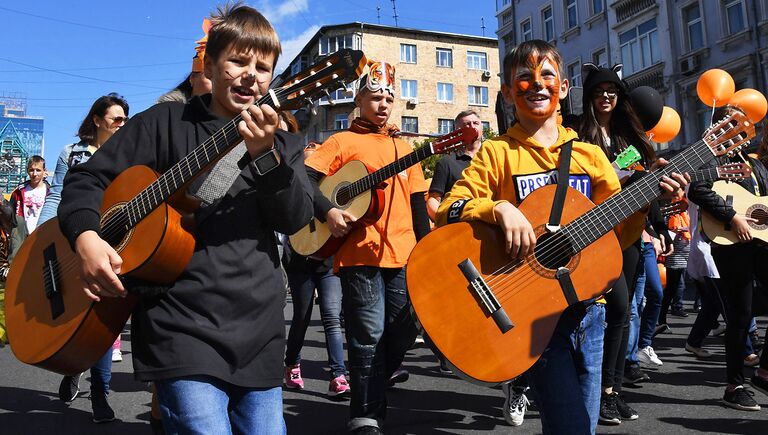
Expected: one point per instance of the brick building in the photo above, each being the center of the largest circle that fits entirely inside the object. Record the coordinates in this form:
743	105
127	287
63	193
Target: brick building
437	75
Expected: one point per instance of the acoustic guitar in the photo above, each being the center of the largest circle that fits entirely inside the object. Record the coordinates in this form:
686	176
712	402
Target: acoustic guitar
492	317
354	188
745	204
51	323
729	171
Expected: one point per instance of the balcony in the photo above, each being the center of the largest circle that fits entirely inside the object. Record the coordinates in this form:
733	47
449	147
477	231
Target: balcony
652	76
626	9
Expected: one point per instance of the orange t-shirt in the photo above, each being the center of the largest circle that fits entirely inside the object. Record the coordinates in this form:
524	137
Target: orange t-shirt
389	241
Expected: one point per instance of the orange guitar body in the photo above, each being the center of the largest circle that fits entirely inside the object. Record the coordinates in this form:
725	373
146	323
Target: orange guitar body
157	249
450	312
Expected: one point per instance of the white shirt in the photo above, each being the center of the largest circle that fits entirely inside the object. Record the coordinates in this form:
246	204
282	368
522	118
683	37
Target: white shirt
33	203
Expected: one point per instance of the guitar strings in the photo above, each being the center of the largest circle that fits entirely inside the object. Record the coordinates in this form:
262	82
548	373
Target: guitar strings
549	253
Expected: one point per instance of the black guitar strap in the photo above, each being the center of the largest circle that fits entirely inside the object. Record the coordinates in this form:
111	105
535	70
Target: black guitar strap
562	187
563	274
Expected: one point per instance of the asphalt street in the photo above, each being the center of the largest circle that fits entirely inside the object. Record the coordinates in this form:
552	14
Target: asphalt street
682	397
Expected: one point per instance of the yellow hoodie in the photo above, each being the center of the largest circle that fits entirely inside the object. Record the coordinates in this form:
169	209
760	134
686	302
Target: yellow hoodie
510	167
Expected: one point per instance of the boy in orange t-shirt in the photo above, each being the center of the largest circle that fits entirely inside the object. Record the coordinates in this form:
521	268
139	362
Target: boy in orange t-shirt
379	325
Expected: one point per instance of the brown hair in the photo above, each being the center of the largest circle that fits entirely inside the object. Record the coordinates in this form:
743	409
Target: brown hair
290	121
520	54
87	130
463	114
35	159
242	28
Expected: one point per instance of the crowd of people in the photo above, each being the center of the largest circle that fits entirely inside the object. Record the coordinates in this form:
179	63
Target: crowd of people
213	342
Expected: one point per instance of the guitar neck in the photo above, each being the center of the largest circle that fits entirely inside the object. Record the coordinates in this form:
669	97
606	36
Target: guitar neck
601	219
377	177
706	174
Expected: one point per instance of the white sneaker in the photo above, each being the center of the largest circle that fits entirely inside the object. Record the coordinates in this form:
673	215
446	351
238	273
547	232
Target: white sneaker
515	404
117	356
647	356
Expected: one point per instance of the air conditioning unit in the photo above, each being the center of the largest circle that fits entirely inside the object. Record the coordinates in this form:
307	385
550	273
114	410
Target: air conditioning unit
690	65
486	74
413	101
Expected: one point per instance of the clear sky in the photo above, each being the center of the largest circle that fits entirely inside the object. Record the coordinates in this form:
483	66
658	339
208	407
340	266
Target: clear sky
63	54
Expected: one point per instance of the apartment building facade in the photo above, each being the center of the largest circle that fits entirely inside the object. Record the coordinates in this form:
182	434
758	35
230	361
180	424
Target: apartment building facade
437	76
665	44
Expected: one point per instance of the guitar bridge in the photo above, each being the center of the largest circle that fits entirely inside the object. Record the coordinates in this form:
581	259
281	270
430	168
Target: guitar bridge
485	297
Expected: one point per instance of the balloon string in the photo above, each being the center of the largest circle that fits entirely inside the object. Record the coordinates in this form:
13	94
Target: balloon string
712	115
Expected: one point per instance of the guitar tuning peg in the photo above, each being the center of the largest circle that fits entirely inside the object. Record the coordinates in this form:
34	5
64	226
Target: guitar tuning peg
328	96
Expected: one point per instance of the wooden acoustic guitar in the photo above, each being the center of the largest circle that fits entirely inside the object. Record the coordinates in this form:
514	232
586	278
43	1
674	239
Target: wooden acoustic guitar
745	204
729	171
492	317
51	323
354	188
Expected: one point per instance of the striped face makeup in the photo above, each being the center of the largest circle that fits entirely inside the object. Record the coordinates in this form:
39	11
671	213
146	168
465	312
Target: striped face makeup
536	87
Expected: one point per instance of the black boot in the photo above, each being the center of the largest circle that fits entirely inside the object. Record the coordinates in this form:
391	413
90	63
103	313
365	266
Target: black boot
102	412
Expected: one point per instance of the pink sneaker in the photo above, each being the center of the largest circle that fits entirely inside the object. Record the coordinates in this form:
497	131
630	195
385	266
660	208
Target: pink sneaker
338	386
293	377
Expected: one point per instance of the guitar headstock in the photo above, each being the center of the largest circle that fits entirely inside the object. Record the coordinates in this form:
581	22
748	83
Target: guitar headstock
328	74
730	134
674	208
627	158
734	171
454	140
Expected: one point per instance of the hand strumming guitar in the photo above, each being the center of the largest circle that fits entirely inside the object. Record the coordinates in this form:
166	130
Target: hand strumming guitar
339	222
518	232
100	266
740	227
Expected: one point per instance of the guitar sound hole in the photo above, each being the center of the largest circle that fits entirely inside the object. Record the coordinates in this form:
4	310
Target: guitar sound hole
553	250
761	215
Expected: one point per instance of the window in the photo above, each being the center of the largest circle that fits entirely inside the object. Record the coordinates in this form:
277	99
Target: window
445	57
486	126
408	89
477	60
574	73
571	14
600	58
506	18
478	96
526	33
407	53
733	10
332	44
445	92
341	121
597	6
694	33
340	94
640	47
444	126
547	24
410	124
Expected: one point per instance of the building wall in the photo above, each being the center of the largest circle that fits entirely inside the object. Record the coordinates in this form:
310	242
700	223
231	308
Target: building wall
384	44
675	71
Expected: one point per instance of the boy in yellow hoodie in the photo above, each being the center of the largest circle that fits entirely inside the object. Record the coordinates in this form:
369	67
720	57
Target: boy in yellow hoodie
566	379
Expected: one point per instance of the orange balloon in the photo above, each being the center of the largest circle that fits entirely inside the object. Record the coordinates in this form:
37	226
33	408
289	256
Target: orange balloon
662	274
751	102
668	126
715	87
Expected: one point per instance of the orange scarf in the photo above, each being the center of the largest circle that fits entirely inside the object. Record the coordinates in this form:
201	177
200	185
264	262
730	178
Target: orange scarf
360	125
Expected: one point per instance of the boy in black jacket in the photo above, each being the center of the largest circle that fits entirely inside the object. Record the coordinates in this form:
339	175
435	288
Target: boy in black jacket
213	343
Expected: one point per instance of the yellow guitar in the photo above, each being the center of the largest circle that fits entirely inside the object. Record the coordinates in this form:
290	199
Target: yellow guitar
745	204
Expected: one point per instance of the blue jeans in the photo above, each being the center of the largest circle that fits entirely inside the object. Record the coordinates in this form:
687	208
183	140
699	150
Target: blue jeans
566	380
380	329
303	284
101	373
643	319
206	405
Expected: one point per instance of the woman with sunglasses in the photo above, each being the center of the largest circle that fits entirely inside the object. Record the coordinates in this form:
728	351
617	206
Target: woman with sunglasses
610	122
108	113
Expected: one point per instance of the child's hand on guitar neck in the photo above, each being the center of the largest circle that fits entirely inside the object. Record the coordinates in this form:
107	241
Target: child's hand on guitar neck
339	222
100	266
258	128
673	186
518	232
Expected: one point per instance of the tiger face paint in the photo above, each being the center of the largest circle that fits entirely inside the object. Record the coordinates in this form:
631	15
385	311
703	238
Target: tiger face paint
537	87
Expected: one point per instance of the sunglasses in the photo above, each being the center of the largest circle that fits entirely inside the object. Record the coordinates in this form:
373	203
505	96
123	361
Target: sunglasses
118	119
609	93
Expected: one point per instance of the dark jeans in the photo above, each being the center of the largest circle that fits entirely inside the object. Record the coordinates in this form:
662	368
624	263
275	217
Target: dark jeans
380	329
101	373
617	320
738	264
303	284
711	308
673	293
